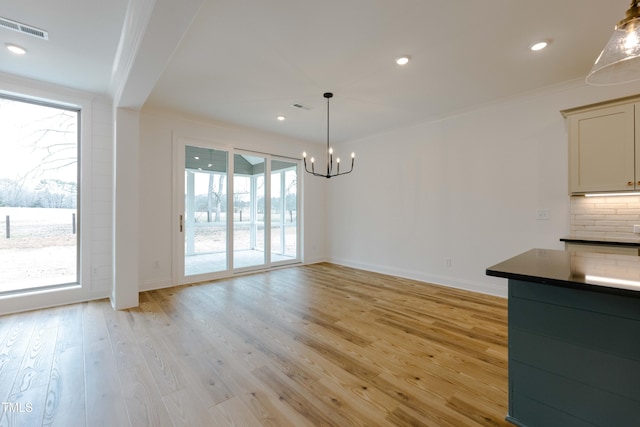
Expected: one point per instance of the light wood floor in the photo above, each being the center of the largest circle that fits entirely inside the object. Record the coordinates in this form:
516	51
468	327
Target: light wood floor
318	345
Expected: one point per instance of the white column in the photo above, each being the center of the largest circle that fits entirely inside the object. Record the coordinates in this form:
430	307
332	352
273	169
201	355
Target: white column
126	199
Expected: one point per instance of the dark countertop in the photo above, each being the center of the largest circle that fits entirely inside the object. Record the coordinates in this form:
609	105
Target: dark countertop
619	274
602	241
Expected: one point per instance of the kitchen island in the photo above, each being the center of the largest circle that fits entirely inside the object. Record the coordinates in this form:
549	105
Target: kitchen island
574	338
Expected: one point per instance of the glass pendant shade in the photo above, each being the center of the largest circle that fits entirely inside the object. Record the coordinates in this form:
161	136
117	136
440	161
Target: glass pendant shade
619	62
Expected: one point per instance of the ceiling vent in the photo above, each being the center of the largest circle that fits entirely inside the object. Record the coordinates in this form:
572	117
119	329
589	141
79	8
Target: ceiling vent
301	107
23	28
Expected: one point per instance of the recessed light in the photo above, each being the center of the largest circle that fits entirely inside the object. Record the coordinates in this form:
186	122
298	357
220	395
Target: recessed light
281	118
403	60
539	45
14	48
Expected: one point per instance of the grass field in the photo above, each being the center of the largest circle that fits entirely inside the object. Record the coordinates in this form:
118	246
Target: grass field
41	249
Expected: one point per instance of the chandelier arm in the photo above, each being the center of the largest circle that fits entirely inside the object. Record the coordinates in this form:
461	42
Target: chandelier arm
328	175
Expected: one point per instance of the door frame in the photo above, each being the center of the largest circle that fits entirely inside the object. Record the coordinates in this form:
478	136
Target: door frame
178	209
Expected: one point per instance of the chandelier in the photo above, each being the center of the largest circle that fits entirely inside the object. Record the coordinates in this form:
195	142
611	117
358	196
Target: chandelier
329	172
619	61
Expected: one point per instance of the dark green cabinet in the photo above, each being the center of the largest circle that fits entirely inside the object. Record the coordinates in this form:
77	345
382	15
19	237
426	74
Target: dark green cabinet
574	356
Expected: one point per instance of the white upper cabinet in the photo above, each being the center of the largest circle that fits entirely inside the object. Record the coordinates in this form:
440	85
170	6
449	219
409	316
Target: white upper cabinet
604	152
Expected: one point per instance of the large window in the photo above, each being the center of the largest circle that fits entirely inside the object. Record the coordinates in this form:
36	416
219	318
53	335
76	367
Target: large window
39	214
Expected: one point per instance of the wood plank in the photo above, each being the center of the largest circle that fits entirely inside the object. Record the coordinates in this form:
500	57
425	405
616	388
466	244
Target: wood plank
65	400
187	409
36	365
94	327
233	413
313	410
310	345
70	327
143	399
123	342
161	365
13	345
105	404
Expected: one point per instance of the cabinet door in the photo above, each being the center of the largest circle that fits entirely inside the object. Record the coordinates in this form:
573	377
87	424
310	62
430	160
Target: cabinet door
601	150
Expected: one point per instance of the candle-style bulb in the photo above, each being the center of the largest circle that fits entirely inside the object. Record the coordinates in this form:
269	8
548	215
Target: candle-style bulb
330	150
353	155
304	154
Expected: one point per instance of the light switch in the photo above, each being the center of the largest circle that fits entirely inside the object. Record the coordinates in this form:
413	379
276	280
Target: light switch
543	214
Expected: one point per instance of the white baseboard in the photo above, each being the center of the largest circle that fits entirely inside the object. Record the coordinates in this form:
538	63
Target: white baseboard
151	285
308	261
484	288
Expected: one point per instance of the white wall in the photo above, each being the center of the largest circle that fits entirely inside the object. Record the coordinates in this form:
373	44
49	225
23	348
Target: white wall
157	129
465	188
101	173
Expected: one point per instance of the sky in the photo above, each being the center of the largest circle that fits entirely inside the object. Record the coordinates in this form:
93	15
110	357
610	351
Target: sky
28	134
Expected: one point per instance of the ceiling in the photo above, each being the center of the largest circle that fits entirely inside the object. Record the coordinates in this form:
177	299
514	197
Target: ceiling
247	61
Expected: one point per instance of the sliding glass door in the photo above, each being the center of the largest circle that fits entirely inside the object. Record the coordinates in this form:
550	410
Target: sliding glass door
205	210
235	211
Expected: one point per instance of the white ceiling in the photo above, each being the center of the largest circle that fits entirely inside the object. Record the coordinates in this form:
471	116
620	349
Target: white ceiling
247	61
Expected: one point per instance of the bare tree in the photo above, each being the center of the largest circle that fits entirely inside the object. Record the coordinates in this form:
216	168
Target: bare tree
214	196
55	140
50	135
291	198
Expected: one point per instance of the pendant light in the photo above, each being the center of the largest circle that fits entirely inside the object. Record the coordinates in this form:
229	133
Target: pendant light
619	62
329	172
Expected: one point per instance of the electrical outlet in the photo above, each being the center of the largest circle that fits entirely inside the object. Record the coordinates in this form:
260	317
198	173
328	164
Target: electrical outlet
636	229
447	262
156	264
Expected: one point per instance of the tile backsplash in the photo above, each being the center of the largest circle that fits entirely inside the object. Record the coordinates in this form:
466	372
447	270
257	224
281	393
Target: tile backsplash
605	217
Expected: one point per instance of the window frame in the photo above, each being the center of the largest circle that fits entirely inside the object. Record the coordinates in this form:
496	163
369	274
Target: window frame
38	93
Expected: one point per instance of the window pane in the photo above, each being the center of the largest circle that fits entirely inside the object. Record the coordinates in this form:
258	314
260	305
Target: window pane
38	195
291	214
248	214
284	204
205	211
